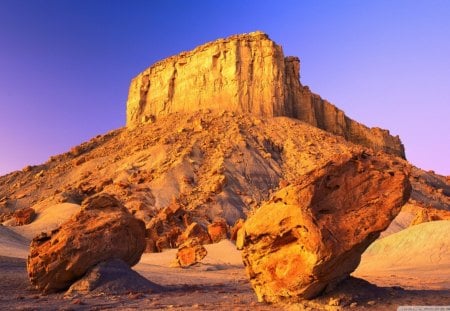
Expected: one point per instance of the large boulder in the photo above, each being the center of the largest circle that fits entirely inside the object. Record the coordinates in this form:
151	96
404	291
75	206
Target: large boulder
311	234
102	230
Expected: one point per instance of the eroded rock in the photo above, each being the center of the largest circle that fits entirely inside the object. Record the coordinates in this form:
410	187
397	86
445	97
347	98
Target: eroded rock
245	73
190	253
194	230
311	234
102	230
218	230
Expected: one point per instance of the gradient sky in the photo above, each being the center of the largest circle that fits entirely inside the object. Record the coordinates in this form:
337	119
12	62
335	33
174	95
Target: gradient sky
65	66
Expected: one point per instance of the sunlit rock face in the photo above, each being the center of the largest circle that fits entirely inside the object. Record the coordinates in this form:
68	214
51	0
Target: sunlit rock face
311	234
245	73
242	73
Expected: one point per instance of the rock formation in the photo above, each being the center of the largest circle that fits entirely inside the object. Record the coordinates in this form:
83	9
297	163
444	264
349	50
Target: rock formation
218	230
190	253
102	230
194	230
311	234
24	216
244	73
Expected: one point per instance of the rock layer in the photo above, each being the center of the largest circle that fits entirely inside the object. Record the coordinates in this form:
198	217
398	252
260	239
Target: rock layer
102	230
244	73
320	225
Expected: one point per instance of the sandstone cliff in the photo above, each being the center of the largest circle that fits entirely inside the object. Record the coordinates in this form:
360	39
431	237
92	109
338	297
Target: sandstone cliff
244	73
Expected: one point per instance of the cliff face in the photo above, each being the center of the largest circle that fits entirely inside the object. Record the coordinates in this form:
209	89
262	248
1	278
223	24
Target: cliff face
244	73
241	73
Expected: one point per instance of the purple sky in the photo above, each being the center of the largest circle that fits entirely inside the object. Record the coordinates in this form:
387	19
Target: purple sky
65	66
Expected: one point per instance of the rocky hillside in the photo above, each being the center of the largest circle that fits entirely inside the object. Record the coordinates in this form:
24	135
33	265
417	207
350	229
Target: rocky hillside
213	164
210	135
247	74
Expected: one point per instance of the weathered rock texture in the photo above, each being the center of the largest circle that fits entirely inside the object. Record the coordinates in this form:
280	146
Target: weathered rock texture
24	216
218	230
311	234
102	230
190	253
194	230
244	73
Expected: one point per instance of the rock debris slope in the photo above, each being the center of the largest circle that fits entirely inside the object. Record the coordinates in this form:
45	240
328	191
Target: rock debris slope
209	165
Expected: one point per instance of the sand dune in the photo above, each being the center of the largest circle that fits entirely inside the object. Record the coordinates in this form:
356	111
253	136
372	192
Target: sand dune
417	257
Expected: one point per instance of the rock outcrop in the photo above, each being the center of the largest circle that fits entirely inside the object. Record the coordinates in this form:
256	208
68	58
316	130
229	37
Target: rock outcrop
311	234
102	230
194	230
243	73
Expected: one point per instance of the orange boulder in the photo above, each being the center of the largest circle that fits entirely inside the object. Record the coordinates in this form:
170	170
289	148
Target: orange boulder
311	234
102	230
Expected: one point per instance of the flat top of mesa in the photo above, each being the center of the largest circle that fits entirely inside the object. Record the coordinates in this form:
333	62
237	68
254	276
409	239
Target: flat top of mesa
246	73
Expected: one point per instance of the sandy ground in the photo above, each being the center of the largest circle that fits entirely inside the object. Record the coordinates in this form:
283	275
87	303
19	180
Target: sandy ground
415	258
411	267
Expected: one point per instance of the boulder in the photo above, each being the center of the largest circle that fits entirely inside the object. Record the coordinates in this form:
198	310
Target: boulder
163	230
113	277
24	216
218	230
102	230
190	253
311	234
194	230
246	73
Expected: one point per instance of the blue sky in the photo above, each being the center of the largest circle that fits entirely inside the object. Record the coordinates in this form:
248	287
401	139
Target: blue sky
65	66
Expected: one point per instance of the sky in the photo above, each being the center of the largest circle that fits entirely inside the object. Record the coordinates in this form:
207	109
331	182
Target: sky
65	66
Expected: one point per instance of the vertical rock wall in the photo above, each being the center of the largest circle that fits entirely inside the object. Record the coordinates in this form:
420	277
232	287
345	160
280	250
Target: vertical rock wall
240	73
244	73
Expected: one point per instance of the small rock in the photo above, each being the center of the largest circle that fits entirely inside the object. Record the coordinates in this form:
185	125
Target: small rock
24	216
218	230
190	253
334	302
194	230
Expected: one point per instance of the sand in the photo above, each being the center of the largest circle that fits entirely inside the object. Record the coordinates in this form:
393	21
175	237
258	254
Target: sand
415	258
47	220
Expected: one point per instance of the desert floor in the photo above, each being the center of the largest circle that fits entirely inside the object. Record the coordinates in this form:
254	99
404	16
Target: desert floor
220	283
